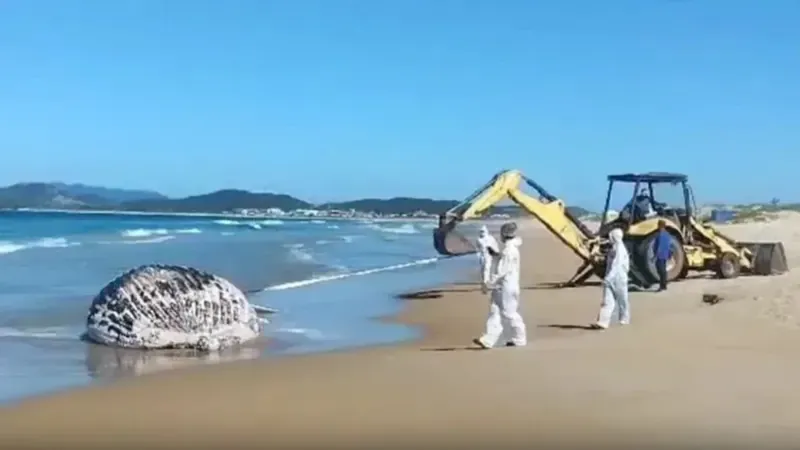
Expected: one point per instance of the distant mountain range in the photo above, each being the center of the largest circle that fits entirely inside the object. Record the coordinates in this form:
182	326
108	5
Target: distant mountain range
84	197
114	195
68	196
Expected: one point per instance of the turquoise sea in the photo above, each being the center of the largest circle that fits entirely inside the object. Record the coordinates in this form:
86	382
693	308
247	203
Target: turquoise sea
329	279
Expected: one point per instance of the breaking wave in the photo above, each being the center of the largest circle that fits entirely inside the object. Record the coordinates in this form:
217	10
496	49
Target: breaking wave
148	240
60	333
406	228
324	278
254	224
299	253
59	242
189	231
145	232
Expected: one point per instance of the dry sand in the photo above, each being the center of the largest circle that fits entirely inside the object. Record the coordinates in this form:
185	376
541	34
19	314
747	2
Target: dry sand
684	373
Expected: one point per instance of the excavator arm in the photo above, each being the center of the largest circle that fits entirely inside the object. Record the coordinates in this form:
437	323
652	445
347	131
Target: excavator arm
548	209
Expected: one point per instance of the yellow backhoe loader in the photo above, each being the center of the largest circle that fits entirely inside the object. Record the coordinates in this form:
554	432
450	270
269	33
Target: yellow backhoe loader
696	246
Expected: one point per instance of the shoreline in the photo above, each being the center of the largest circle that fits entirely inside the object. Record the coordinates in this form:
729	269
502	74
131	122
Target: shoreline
683	373
282	340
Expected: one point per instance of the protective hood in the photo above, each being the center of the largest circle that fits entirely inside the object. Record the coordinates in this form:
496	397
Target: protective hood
514	242
615	236
484	231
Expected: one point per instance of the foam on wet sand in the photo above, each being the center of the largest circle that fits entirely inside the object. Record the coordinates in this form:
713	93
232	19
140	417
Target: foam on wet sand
684	373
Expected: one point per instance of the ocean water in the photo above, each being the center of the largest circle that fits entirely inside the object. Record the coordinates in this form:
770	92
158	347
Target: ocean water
329	279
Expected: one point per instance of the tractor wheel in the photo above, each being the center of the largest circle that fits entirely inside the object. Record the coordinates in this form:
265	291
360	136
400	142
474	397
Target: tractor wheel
684	272
728	266
676	266
638	274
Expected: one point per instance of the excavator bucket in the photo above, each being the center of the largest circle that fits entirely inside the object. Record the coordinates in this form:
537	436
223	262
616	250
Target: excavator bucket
450	242
769	258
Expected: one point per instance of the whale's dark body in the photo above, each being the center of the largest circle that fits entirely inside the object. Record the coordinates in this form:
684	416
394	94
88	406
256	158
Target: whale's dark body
162	307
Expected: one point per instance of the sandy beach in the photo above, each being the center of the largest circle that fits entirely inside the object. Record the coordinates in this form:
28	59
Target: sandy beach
683	373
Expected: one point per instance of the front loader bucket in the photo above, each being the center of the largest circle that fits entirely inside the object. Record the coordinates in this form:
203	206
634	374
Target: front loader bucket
769	258
449	242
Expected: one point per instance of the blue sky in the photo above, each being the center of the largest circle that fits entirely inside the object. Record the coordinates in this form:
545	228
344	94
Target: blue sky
337	99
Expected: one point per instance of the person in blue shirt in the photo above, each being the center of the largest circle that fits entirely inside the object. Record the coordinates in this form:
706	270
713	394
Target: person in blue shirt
662	251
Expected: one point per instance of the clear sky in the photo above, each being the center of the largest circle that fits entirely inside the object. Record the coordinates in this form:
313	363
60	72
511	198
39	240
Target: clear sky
337	99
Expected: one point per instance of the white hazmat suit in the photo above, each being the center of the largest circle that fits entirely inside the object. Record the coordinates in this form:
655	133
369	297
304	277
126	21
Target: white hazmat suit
486	242
615	283
504	300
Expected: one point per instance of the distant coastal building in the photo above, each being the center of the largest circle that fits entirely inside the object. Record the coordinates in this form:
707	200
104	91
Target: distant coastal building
339	213
317	213
307	212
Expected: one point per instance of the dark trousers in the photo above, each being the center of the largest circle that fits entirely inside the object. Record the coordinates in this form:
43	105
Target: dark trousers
661	267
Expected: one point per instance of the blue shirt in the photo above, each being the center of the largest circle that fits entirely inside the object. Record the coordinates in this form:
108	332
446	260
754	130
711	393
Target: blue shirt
663	247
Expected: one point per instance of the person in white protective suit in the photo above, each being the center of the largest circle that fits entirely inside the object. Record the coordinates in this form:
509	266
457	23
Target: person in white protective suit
615	284
488	251
504	313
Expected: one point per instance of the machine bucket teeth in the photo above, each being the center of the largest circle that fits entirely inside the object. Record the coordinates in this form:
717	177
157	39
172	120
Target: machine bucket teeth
769	258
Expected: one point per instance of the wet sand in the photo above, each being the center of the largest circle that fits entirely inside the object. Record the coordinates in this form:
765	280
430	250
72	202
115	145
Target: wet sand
683	373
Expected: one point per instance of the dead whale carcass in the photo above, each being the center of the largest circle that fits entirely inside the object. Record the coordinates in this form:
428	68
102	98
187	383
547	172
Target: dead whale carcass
171	307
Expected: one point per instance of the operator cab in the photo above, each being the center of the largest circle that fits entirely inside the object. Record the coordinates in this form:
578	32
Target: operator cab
650	198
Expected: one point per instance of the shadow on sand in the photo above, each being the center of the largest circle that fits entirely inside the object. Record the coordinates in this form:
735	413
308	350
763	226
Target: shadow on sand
551	285
476	348
567	326
432	293
457	348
